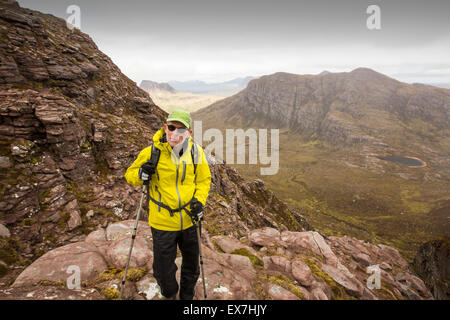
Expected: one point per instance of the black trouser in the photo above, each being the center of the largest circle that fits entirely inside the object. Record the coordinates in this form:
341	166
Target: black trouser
164	255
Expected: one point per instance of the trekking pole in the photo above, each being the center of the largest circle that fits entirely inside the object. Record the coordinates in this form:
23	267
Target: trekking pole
132	241
201	256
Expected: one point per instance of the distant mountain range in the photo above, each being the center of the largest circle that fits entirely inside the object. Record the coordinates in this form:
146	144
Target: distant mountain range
342	108
168	99
191	95
442	85
148	85
224	89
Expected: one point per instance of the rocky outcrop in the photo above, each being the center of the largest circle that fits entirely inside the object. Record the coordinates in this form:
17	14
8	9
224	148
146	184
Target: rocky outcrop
265	264
343	109
432	263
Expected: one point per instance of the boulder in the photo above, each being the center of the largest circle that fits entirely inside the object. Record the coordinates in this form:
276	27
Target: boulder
318	294
345	278
302	273
74	220
4	231
363	259
223	281
266	237
124	229
97	235
277	263
148	286
279	293
321	291
53	265
230	245
117	253
310	240
385	266
227	244
393	256
243	264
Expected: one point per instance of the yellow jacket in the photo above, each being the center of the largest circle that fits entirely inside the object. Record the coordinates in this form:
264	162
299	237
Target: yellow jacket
173	183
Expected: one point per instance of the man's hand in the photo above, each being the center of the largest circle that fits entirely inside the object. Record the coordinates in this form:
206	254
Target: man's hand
146	171
196	210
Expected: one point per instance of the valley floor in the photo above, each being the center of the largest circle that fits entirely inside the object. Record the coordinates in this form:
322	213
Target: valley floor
359	195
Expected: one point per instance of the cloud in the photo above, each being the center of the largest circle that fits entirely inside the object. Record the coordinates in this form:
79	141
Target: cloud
217	40
164	61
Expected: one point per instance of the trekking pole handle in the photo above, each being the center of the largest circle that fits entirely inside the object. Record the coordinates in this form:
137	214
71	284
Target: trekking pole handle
144	176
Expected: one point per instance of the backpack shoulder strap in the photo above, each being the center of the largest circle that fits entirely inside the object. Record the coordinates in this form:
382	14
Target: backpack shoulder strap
155	155
194	155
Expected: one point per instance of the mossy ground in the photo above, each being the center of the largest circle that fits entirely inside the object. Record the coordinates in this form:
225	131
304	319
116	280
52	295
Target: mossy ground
113	273
333	188
339	292
111	293
286	283
339	199
133	274
253	259
263	279
10	249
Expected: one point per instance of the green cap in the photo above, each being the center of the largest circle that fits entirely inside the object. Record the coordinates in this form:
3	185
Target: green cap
182	116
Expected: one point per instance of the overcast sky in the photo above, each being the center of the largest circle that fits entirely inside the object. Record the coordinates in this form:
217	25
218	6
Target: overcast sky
214	40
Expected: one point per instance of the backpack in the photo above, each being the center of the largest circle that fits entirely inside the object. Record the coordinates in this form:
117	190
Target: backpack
154	159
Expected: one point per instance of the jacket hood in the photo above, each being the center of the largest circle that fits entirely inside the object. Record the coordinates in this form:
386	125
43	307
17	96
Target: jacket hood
159	138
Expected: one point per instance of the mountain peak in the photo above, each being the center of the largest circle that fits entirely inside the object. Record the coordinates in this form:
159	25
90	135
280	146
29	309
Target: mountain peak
149	85
367	74
310	104
364	69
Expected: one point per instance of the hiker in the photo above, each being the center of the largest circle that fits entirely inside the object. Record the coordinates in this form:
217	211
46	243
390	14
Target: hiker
178	189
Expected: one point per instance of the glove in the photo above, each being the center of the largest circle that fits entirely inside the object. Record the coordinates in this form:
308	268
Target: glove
146	171
196	210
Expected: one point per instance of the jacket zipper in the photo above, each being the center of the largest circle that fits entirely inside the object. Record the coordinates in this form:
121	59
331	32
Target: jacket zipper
178	193
179	199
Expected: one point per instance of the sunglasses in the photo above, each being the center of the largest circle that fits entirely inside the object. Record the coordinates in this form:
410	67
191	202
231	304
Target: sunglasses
171	127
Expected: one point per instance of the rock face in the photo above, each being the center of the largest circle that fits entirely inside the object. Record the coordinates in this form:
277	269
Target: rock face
234	269
70	123
432	262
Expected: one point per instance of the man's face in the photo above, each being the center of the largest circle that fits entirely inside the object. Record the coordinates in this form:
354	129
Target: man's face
176	136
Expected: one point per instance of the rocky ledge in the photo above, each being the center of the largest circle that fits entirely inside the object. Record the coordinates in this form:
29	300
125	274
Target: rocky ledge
265	264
